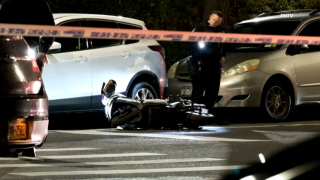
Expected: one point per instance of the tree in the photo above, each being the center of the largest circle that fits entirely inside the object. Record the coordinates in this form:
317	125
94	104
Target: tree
217	5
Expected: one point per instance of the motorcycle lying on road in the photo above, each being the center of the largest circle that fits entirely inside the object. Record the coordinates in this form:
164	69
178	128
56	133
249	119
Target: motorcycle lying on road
172	113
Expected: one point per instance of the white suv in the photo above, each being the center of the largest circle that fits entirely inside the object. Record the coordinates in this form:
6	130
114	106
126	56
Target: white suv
78	66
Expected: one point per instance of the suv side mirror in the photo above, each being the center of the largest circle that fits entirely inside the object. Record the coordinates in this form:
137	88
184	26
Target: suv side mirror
55	48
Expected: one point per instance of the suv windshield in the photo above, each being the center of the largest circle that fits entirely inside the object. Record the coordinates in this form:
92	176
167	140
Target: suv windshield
265	28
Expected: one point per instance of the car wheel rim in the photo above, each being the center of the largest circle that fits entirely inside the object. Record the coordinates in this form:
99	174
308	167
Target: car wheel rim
277	102
144	94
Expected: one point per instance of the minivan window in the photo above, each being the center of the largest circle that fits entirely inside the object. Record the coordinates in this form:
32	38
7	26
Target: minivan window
265	28
100	43
312	29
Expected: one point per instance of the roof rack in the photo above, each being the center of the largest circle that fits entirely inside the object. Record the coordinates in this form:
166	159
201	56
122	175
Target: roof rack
266	14
315	12
312	12
298	11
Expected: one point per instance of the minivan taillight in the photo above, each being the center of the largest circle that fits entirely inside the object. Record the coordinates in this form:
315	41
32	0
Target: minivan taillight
160	49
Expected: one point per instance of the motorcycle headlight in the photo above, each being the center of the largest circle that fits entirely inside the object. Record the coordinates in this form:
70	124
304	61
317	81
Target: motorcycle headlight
242	68
172	71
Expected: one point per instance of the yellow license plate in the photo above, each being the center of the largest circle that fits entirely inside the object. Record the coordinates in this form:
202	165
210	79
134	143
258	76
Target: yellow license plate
17	131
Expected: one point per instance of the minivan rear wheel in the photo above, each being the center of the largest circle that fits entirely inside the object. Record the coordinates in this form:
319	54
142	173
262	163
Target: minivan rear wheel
277	101
143	91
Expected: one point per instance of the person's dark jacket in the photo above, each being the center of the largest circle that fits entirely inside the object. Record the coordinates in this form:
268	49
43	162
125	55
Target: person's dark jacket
224	46
29	12
212	52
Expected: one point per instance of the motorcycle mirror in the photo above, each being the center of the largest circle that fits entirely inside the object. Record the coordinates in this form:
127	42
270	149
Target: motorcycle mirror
110	88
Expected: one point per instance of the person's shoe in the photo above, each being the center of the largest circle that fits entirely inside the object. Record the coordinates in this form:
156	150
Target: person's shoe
29	152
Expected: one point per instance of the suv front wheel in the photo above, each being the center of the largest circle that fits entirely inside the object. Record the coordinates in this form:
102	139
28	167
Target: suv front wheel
143	91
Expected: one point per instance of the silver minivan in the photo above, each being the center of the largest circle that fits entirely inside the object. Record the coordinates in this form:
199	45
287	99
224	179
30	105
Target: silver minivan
273	77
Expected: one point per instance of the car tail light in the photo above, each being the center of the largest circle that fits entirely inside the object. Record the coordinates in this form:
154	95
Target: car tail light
35	67
160	49
31	56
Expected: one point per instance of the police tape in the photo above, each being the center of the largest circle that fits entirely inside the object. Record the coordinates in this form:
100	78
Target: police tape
132	34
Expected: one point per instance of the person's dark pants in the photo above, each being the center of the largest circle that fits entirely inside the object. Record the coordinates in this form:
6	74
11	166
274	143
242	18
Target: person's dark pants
208	82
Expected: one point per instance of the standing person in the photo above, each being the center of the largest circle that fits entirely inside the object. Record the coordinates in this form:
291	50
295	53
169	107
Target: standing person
208	55
222	29
30	12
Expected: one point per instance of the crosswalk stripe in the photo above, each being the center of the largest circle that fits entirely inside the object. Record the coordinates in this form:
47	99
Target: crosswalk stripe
86	156
128	171
155	135
65	149
262	126
163	178
112	163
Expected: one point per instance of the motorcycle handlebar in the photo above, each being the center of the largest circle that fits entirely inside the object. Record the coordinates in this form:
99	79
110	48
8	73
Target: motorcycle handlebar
103	87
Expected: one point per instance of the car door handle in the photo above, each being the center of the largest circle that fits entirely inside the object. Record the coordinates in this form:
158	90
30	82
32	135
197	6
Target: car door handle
125	54
81	59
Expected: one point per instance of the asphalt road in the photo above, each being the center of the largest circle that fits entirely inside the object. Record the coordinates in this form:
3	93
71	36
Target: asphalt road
114	154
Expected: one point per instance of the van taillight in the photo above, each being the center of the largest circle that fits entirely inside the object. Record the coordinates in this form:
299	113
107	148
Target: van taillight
160	49
30	56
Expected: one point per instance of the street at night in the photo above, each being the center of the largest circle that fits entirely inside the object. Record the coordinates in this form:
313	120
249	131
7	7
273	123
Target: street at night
115	154
160	89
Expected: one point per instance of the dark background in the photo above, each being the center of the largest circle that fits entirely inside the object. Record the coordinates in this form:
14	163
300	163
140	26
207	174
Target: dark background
181	15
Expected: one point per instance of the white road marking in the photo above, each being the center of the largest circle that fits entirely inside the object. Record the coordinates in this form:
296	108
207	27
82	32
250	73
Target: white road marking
155	135
86	156
262	126
158	178
64	149
238	127
291	138
19	158
164	178
128	171
112	163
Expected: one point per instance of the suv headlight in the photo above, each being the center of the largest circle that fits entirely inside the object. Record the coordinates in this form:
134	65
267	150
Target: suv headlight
242	68
172	71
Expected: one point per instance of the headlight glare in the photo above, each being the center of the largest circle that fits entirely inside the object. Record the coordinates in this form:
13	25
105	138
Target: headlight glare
242	68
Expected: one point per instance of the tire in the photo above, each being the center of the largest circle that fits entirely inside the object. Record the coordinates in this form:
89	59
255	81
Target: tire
143	91
276	102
